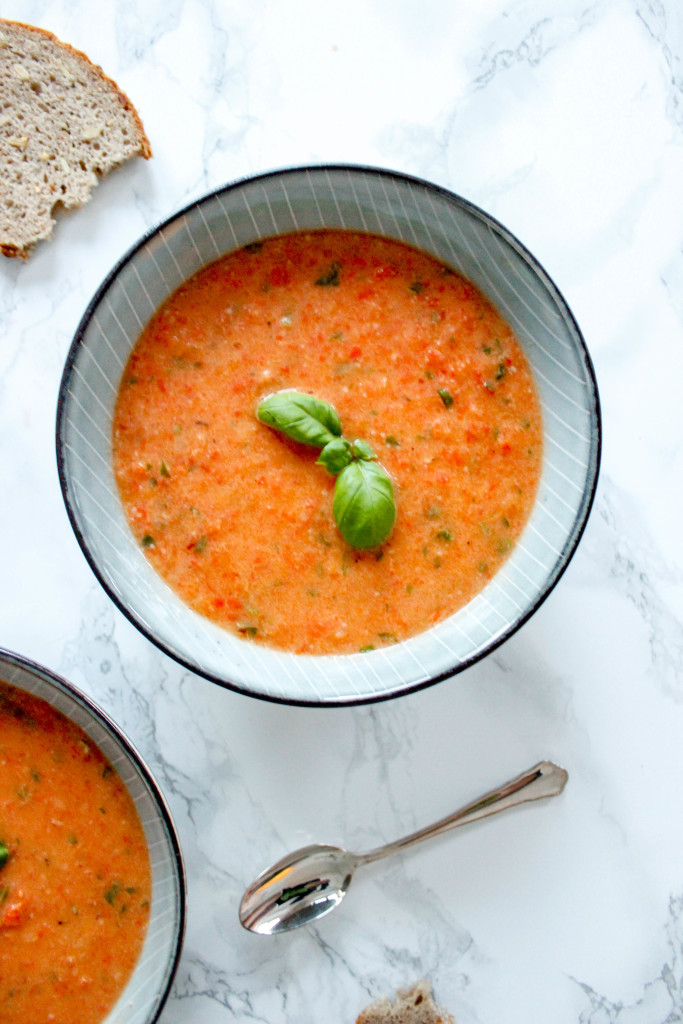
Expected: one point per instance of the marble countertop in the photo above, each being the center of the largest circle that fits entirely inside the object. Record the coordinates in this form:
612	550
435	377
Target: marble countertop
565	121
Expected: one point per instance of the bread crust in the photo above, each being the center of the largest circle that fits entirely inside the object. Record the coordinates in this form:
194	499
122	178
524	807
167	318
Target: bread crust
139	144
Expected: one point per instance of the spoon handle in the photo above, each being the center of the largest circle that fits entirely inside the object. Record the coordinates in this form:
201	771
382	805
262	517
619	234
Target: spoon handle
544	779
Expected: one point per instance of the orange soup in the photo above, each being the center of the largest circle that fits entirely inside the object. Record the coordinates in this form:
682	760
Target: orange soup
74	870
238	520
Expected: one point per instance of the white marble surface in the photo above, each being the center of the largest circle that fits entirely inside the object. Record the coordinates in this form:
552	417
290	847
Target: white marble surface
564	119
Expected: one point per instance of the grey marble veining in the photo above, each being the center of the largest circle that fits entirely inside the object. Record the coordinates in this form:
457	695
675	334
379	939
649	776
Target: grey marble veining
564	120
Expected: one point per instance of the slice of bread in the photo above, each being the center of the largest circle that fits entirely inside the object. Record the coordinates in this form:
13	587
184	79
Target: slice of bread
412	1006
63	125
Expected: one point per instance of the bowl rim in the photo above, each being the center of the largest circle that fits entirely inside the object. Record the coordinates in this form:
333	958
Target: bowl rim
11	658
588	496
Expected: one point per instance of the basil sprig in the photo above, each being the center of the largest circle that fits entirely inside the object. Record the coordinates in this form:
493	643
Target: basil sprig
363	506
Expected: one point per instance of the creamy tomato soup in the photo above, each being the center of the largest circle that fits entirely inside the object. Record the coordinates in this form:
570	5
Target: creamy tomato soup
238	520
74	870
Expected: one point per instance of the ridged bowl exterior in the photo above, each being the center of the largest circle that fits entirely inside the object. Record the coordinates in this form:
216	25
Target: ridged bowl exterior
380	202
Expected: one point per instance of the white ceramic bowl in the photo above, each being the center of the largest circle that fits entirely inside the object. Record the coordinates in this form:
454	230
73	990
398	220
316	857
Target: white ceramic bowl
144	996
385	203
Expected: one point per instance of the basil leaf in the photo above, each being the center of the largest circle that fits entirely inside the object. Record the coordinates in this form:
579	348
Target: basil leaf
301	417
363	505
335	456
362	450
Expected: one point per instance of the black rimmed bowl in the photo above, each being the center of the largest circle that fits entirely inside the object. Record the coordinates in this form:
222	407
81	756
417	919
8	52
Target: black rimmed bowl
145	994
363	199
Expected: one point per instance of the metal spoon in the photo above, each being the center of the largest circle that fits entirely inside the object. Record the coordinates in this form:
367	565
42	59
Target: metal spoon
312	881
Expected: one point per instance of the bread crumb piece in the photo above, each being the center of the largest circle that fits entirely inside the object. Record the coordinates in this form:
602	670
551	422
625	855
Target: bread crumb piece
412	1006
90	132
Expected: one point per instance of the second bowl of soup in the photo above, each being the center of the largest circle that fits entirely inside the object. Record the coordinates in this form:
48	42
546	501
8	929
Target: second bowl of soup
92	886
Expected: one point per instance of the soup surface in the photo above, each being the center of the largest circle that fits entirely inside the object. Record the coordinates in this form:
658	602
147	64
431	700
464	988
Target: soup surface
238	520
74	876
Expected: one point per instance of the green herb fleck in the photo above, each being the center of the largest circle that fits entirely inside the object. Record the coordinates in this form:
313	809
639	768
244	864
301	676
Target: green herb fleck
4	854
164	469
446	397
112	892
417	287
148	541
445	535
393	441
200	546
501	371
249	631
366	648
330	277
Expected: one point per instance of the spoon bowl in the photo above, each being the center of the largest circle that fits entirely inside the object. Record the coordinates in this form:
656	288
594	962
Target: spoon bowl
312	881
301	887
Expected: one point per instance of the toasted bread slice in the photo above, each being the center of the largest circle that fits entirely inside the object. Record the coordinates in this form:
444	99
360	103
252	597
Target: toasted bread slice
412	1006
63	125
